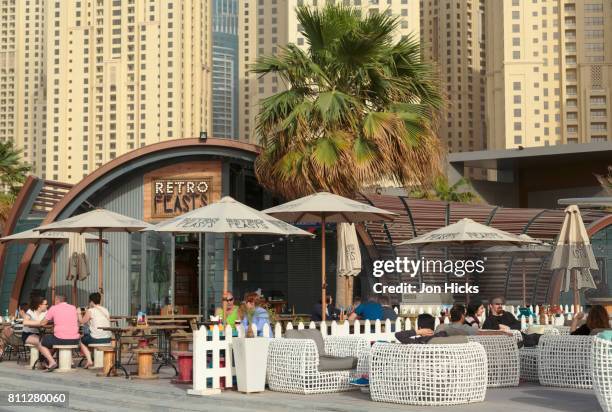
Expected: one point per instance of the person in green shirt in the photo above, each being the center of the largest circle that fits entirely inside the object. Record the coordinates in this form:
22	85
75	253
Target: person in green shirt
231	315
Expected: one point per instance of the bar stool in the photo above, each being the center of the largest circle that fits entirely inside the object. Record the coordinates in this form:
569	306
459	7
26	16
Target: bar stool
108	360
185	367
34	354
145	363
98	357
65	357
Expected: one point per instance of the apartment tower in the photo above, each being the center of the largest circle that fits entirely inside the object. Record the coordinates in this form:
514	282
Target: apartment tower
266	25
549	74
452	36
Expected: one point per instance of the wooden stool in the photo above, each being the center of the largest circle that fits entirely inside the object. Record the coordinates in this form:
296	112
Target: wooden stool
98	357
145	363
185	367
108	361
34	354
65	357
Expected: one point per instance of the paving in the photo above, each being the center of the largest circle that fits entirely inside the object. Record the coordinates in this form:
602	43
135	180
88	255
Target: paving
88	392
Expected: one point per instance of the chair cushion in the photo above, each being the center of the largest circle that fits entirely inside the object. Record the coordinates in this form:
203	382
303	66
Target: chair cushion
332	363
313	334
598	330
449	340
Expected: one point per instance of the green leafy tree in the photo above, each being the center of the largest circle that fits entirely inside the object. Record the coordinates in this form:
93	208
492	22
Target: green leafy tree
13	172
606	181
442	190
358	108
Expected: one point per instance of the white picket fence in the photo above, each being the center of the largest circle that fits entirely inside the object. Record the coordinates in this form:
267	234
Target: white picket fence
213	366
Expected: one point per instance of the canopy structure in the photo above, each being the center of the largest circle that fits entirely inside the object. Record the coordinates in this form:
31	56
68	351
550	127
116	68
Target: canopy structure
97	221
328	208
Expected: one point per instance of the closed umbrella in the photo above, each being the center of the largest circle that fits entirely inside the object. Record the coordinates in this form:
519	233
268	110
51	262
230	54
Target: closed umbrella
33	236
328	208
573	254
348	262
97	221
228	216
523	251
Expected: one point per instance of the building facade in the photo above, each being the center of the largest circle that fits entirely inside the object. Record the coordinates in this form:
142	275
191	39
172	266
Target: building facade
452	36
267	25
83	82
225	69
548	72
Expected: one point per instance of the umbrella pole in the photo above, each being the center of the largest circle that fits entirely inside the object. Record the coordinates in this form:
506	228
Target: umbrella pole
53	275
323	283
524	286
575	288
100	275
225	264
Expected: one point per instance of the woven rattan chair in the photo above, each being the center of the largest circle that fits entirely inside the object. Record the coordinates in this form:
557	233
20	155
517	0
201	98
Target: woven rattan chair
503	360
293	364
565	361
429	375
529	364
602	372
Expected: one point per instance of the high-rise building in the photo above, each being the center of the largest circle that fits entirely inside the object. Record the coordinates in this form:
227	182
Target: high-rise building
84	82
22	78
267	25
549	76
225	69
452	36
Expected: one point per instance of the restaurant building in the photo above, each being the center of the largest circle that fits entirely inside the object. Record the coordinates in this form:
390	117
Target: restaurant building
166	179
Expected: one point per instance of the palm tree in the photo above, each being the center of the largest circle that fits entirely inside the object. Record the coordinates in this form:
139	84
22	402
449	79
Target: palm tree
606	181
443	190
13	173
358	108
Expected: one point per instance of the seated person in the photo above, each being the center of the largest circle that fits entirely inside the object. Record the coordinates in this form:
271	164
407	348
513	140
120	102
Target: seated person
474	311
231	314
457	327
498	318
387	310
597	319
254	312
369	310
37	311
424	331
95	317
65	331
331	313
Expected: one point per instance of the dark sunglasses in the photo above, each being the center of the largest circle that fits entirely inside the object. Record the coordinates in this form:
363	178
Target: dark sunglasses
228	299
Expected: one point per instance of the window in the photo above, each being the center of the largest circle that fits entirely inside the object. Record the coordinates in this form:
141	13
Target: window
518	126
518	139
516	55
598	100
516	41
516	86
592	8
593	21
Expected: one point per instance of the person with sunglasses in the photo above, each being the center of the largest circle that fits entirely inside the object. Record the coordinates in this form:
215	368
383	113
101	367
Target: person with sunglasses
231	314
498	318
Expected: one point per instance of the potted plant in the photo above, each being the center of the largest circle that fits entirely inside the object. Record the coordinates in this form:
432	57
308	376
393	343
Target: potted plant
250	355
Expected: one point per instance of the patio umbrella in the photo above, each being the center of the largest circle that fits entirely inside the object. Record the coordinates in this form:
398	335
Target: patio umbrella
32	236
573	255
97	221
348	262
467	232
328	208
228	216
524	251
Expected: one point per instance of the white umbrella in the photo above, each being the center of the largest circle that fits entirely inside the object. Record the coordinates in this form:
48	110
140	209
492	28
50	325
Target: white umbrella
326	207
348	262
32	236
526	250
228	216
573	254
465	232
97	221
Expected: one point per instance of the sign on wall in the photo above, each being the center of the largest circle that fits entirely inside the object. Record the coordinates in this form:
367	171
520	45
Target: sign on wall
177	189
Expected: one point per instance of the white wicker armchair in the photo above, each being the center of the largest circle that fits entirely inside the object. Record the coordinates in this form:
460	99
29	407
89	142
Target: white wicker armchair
602	372
293	364
565	361
503	360
428	374
529	364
